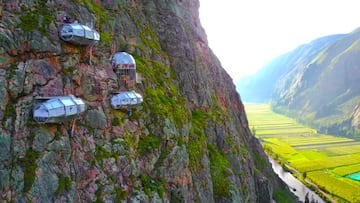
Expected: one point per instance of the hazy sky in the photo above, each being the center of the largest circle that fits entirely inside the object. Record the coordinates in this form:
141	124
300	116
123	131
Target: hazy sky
246	34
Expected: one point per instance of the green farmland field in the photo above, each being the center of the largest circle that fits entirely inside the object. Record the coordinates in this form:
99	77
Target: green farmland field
326	160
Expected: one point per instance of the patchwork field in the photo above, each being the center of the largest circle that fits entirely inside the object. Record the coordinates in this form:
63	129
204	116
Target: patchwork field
326	160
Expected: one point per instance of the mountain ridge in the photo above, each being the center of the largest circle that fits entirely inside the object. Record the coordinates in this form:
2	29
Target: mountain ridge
318	87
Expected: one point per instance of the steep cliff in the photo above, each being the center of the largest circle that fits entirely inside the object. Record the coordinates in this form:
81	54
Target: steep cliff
188	141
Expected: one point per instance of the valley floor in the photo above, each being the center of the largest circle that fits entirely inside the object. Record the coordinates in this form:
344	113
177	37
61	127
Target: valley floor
324	162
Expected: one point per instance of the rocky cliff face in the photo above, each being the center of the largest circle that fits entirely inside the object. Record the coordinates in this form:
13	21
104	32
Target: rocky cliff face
188	142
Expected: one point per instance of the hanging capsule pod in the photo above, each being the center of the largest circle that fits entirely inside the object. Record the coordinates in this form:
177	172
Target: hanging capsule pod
125	99
124	65
79	34
57	109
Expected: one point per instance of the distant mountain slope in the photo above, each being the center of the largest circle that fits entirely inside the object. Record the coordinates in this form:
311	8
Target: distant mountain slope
259	87
316	83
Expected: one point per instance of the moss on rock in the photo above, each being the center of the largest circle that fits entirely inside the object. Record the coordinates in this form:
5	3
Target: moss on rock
96	119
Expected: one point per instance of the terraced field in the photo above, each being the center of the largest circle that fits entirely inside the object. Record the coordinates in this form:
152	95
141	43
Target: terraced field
326	160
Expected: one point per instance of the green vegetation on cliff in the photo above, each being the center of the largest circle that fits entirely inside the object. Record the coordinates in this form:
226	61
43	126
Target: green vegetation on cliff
220	170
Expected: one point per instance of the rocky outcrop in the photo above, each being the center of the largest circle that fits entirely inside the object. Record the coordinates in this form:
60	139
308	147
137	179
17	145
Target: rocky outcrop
188	141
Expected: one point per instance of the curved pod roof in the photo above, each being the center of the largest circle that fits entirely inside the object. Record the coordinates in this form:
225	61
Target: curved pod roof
123	60
58	109
125	99
79	34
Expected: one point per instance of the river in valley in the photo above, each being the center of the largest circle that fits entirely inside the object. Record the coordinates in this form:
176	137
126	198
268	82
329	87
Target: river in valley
297	187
